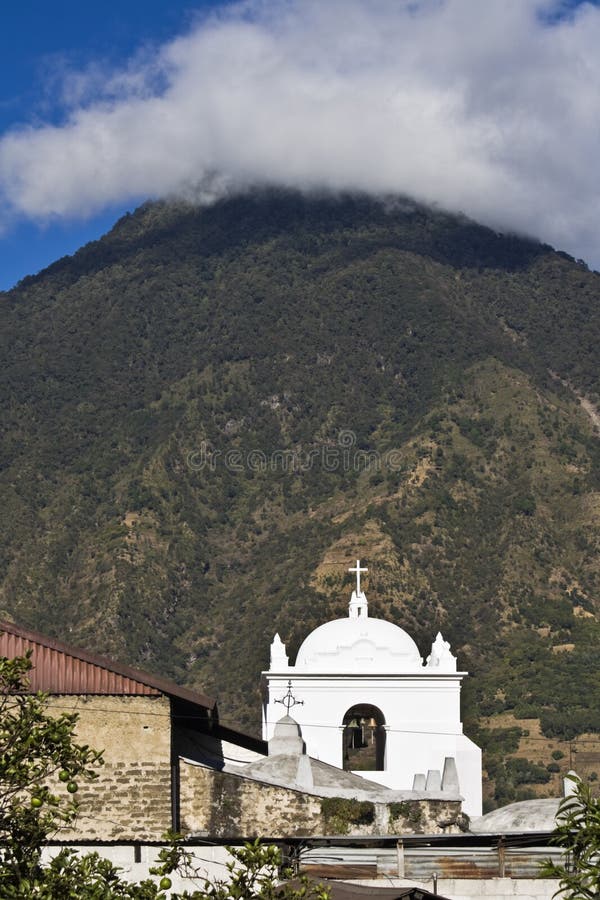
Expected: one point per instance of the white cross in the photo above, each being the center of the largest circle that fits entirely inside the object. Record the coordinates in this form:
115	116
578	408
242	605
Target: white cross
358	570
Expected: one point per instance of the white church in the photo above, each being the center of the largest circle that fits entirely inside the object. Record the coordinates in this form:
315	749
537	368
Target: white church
366	702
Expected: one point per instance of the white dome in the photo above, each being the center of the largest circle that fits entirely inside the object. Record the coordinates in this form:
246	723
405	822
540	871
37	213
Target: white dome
358	645
525	815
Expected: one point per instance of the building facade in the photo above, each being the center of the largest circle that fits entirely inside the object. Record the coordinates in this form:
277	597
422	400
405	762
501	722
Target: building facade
366	701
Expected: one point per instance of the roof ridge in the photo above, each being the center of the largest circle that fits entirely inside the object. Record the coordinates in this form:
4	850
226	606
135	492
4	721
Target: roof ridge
164	685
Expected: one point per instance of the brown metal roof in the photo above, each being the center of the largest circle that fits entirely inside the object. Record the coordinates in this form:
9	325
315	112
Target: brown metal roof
62	669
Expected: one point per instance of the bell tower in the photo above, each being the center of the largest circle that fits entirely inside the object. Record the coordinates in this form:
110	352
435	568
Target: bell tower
367	701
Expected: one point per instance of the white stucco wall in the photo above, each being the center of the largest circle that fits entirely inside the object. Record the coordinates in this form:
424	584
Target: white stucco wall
474	888
364	660
208	863
422	720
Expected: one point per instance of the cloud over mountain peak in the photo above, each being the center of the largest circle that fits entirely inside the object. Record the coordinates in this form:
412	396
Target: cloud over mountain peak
492	109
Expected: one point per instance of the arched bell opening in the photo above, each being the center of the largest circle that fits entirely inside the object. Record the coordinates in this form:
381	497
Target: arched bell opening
364	738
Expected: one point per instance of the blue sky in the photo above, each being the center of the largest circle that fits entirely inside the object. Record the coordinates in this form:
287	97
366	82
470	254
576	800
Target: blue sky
36	38
492	109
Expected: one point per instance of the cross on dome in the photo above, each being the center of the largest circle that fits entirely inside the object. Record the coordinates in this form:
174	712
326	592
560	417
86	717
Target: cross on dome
358	570
358	602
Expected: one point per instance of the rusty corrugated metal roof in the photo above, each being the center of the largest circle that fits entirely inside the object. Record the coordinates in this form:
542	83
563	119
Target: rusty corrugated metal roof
62	669
497	859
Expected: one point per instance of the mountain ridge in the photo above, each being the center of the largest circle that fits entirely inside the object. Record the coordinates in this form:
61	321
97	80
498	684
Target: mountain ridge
274	323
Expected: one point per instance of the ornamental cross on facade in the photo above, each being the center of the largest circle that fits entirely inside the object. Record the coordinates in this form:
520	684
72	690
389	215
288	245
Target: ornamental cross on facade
358	570
288	700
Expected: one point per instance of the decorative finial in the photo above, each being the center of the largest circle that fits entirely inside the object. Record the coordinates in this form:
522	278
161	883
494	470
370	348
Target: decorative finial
288	700
441	656
279	658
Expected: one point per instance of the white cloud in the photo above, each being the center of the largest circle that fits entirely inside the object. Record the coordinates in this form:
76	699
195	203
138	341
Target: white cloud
489	108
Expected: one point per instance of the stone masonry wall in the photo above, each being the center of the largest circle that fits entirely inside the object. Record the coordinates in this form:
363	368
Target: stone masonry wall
131	798
222	805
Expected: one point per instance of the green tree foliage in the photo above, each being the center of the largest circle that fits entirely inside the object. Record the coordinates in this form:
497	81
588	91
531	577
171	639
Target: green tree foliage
40	762
255	875
40	766
578	834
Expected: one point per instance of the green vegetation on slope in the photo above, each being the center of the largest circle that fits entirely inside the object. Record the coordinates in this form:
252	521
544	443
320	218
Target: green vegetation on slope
421	374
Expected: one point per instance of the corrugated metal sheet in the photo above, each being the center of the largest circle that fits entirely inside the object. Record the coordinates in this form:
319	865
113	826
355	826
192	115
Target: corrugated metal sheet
57	672
62	669
474	863
422	863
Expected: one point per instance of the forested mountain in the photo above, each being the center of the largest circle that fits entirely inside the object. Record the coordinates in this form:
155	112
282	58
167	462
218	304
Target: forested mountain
210	413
